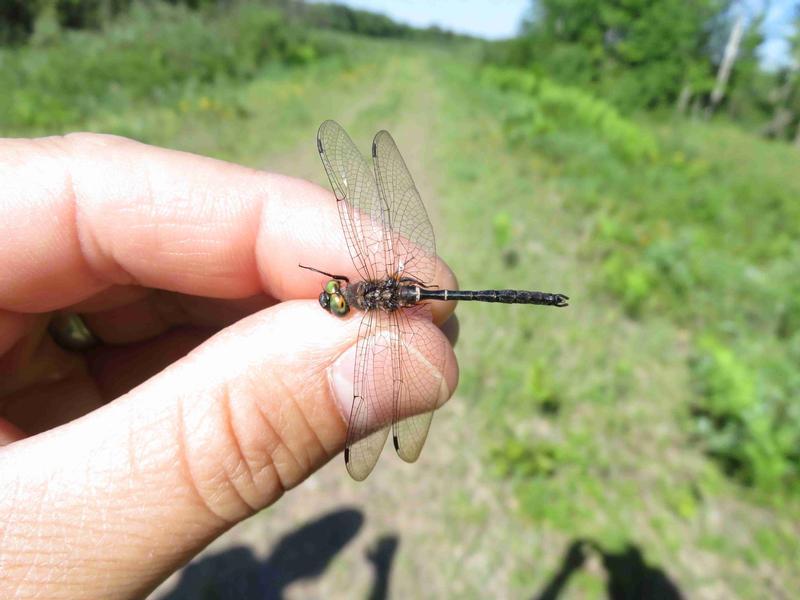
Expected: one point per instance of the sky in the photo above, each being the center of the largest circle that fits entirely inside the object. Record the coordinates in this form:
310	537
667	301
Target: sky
777	27
495	19
491	19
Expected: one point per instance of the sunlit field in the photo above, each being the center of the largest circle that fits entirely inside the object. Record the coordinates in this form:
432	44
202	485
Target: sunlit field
647	436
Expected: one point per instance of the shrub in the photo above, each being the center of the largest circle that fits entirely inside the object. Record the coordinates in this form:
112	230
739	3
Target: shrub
552	106
755	437
151	54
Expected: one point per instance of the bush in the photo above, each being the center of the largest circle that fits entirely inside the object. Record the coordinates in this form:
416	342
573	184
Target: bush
151	54
755	437
553	107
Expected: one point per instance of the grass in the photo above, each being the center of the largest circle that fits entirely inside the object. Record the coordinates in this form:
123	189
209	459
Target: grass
704	238
658	412
621	418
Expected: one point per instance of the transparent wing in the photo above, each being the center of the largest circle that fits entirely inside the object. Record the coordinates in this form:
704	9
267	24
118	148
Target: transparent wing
361	208
411	247
372	395
418	355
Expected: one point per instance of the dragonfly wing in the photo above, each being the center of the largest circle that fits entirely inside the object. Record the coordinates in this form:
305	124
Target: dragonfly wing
418	356
372	396
411	248
361	209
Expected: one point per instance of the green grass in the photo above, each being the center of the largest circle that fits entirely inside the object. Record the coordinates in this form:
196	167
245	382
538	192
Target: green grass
666	391
701	228
659	410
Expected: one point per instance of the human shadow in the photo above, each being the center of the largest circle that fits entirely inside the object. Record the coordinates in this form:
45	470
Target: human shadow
304	553
381	555
629	576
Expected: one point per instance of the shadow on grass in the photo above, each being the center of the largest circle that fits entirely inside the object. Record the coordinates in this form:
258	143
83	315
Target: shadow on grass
302	554
628	576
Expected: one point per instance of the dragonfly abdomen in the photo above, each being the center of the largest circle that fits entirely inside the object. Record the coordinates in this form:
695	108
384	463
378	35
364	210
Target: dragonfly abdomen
501	296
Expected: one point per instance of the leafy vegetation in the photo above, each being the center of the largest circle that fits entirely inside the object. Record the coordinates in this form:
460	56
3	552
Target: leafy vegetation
550	108
159	54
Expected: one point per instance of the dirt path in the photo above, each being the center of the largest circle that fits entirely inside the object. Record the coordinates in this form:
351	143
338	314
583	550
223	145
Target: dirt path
403	513
438	528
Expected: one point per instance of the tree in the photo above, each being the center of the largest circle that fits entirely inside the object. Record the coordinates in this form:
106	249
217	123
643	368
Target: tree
638	53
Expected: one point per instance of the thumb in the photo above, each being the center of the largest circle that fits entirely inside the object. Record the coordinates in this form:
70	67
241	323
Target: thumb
110	504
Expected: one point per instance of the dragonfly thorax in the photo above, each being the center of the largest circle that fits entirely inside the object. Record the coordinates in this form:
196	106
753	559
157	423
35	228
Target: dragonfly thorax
387	295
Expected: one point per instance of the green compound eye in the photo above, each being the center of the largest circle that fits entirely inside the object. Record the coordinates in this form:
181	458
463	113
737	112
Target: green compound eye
332	287
338	305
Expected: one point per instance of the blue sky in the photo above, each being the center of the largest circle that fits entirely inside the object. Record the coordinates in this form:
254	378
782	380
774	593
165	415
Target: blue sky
777	27
500	18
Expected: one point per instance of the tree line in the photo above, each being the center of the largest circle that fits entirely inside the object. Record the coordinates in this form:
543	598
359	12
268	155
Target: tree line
18	18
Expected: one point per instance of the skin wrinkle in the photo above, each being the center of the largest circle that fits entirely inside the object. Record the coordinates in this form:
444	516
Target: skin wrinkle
279	443
270	451
75	208
183	459
82	233
229	427
294	464
314	434
288	405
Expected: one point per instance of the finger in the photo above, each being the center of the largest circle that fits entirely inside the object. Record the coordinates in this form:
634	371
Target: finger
157	474
49	404
9	433
34	358
13	327
109	372
451	329
158	312
112	297
110	211
118	369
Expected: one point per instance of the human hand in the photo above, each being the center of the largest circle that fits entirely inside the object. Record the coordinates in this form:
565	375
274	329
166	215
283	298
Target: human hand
162	253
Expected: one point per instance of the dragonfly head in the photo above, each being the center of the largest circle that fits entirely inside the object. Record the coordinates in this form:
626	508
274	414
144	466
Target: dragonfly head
332	299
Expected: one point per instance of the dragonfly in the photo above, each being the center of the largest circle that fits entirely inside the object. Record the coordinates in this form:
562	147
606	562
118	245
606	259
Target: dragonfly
399	357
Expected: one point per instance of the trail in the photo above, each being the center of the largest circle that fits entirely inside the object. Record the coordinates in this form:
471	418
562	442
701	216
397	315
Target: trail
410	503
415	504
